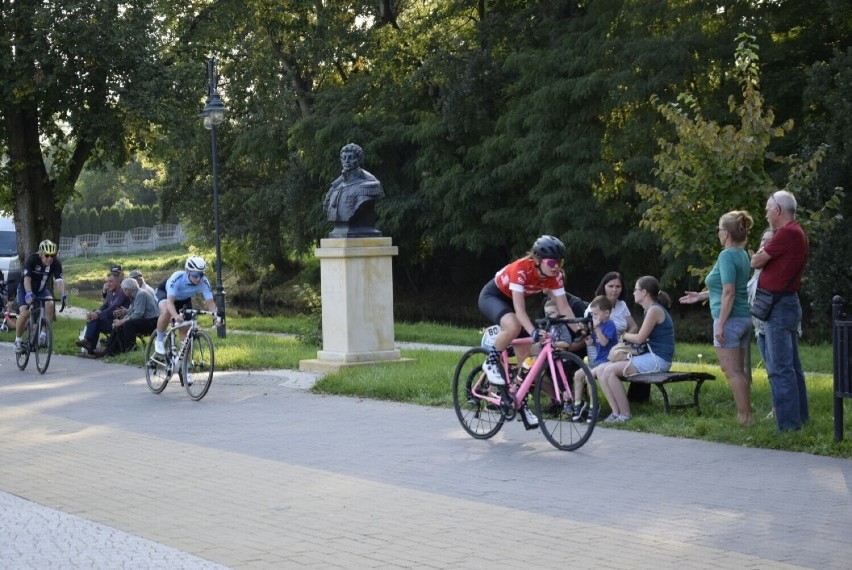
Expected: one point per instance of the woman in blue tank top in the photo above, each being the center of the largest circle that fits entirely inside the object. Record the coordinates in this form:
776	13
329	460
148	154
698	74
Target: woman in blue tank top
657	330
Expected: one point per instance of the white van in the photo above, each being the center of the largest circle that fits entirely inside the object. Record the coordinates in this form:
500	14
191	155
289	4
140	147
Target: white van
9	262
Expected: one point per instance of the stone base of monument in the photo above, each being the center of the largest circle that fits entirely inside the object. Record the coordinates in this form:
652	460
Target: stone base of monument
357	304
324	366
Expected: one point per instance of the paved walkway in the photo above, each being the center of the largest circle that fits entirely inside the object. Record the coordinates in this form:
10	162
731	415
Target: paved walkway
96	471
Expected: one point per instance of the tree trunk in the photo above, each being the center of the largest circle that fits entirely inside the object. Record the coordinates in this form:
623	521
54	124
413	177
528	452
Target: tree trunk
37	216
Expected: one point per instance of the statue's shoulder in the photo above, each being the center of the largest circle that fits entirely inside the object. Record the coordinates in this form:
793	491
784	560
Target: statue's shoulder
366	177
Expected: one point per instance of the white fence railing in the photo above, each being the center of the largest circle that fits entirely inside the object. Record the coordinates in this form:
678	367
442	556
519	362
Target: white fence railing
137	239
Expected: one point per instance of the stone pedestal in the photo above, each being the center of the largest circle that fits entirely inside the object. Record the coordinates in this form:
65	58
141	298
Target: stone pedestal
357	303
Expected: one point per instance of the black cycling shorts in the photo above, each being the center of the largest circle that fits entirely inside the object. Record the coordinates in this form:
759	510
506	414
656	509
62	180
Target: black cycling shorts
179	303
493	303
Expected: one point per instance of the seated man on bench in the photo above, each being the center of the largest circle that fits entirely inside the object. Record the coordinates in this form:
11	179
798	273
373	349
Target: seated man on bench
141	319
100	320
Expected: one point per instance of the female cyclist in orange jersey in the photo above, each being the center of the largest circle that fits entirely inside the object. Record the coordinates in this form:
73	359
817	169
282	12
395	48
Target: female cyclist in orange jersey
502	300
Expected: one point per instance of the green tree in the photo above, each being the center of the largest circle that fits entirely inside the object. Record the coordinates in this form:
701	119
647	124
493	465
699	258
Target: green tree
488	123
711	169
829	119
95	223
279	52
132	217
111	217
78	77
105	185
147	217
84	221
70	227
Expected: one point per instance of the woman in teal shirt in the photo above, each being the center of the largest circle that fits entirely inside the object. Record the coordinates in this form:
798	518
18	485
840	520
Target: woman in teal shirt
727	290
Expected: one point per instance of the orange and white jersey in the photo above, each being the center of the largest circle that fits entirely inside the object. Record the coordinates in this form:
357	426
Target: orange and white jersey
523	275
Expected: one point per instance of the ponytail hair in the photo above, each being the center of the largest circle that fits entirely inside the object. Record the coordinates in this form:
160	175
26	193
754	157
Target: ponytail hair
737	223
650	284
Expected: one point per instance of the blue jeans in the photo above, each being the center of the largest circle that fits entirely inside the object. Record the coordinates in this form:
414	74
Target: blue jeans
95	328
779	346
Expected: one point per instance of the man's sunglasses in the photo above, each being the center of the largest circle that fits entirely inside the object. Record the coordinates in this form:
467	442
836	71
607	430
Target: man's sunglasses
196	275
552	263
48	255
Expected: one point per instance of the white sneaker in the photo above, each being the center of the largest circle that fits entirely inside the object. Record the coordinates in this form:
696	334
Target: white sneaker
159	347
17	347
532	420
494	373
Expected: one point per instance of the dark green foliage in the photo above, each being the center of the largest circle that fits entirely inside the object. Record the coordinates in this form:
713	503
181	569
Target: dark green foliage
70	224
829	121
310	299
84	222
80	80
94	224
488	123
148	217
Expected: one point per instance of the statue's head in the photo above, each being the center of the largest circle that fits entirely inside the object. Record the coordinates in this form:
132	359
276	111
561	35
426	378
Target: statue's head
351	157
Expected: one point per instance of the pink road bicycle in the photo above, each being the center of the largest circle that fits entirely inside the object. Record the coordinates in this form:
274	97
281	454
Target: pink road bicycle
482	408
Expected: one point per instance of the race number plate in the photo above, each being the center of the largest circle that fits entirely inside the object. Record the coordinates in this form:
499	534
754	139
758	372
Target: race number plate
489	334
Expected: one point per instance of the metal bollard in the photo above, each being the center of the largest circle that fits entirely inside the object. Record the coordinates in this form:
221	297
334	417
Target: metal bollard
842	351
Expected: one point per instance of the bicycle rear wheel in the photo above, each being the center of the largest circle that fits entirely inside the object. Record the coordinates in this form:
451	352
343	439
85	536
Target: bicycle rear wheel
198	365
43	346
554	419
156	368
479	418
23	357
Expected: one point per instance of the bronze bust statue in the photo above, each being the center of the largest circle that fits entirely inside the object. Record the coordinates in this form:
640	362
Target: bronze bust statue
350	202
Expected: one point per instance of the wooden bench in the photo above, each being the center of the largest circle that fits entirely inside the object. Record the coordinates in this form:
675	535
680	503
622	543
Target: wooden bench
659	379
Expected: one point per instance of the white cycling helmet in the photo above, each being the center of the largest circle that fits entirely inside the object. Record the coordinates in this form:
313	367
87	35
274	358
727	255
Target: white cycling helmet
196	263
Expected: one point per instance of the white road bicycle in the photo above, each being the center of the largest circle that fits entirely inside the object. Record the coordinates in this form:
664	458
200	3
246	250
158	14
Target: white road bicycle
192	358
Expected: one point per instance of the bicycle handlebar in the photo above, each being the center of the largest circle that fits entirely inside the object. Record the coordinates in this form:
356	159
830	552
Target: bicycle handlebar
45	300
547	322
192	314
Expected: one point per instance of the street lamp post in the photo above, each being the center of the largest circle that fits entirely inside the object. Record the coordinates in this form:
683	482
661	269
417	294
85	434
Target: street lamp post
212	115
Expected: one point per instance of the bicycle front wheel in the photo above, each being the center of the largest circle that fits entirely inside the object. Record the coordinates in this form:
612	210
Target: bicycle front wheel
156	367
43	344
480	418
23	357
198	364
554	417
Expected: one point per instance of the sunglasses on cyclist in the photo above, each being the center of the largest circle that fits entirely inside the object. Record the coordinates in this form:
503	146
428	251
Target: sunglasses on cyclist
196	275
48	255
552	263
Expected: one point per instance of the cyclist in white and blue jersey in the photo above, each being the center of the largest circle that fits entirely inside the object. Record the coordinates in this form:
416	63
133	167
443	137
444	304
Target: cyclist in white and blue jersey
177	291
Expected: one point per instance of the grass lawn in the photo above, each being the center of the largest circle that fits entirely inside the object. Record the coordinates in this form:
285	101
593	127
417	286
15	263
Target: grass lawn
427	380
